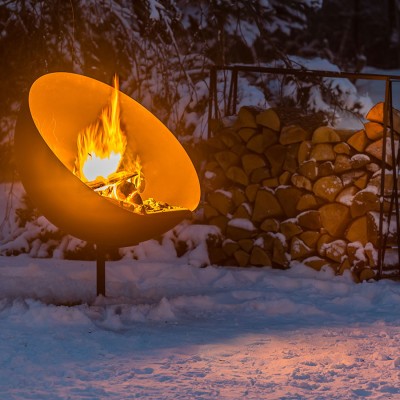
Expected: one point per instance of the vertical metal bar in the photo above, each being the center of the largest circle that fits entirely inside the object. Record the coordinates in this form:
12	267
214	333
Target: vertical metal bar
381	249
211	98
235	89
229	110
100	270
395	171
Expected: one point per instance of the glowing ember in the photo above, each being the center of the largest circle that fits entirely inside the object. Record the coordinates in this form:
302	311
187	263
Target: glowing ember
106	165
103	161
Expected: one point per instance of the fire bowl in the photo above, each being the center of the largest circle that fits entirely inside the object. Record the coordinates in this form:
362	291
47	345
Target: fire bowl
59	106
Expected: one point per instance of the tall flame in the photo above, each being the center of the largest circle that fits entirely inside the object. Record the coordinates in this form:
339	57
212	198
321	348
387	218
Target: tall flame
101	145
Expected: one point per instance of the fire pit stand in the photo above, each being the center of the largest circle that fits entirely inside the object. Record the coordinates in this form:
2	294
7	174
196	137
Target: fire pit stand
100	271
60	105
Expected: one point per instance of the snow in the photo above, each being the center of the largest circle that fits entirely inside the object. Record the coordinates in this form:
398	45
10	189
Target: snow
168	330
242	223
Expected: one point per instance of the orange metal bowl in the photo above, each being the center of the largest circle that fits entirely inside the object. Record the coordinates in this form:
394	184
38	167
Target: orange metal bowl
62	104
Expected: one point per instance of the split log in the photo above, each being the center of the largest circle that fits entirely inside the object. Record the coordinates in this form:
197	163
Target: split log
259	174
344	266
322	243
270	137
289	228
246	133
290	163
288	198
284	178
359	161
269	118
359	141
293	134
309	220
326	168
307	202
301	182
244	210
251	191
373	227
229	138
366	274
336	250
375	149
276	155
342	148
247	117
373	130
362	181
376	114
221	221
259	257
335	218
357	231
325	134
271	182
250	162
209	211
346	195
309	169
230	246
342	163
279	254
221	201
322	152
238	196
315	262
363	202
239	228
349	178
328	187
270	225
299	250
226	159
310	238
246	244
237	175
304	151
258	143
242	258
266	205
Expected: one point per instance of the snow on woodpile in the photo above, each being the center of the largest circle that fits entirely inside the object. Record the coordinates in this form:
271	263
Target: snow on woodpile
316	186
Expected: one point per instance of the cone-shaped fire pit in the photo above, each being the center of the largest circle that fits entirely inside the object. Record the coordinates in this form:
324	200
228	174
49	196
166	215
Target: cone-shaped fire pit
49	131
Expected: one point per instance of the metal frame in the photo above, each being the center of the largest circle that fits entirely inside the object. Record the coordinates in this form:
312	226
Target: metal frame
214	114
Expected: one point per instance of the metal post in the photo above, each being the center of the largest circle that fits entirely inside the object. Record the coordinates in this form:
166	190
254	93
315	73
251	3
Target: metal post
382	236
395	165
100	270
235	89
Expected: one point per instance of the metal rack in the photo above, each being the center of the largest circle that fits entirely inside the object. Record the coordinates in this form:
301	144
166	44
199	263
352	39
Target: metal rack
231	79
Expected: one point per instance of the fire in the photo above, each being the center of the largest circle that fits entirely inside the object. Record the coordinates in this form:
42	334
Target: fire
104	161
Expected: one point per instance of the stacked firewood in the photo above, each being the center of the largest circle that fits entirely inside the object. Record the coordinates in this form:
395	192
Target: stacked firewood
284	190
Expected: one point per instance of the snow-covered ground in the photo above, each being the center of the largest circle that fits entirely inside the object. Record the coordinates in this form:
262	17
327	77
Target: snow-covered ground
172	331
169	329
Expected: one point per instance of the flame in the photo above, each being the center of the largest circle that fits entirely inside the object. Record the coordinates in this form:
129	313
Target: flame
104	161
102	144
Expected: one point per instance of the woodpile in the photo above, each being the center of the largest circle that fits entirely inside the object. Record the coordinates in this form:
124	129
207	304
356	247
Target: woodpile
282	190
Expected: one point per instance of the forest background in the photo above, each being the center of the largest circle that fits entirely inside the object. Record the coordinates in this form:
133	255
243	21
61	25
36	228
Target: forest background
162	49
